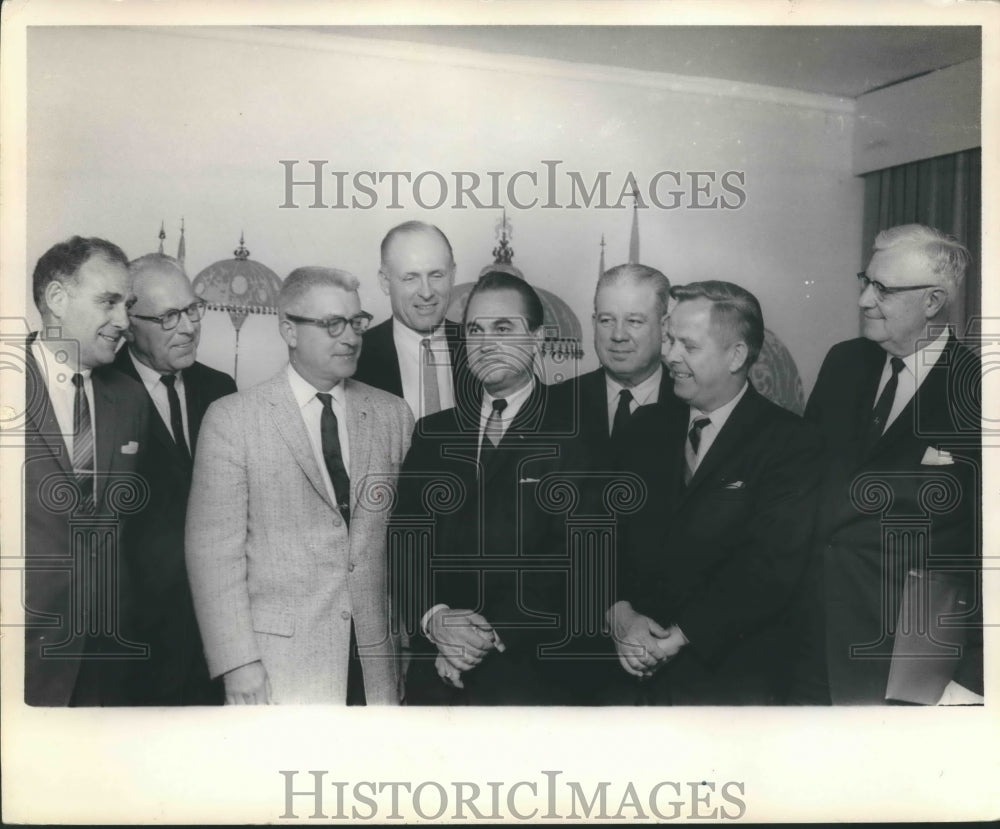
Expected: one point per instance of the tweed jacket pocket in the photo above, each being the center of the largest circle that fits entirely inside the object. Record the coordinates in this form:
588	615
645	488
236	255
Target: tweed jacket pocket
270	620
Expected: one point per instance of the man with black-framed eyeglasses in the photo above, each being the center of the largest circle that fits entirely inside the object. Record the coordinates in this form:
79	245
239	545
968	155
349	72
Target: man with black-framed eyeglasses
897	576
161	353
286	529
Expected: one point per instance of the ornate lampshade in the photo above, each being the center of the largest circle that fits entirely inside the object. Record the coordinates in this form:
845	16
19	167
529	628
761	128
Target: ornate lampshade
239	286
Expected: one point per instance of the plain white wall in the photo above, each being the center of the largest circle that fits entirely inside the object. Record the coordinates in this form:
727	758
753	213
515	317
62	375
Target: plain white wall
128	127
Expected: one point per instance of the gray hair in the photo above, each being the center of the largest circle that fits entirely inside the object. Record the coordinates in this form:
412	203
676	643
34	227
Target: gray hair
947	257
637	275
302	280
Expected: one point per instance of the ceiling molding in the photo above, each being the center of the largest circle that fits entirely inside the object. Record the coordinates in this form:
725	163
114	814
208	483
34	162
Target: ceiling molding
510	64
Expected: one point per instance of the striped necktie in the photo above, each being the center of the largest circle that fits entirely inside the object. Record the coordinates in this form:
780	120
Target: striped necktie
83	444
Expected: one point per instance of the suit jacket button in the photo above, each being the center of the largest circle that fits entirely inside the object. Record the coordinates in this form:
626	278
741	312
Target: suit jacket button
345	615
350	567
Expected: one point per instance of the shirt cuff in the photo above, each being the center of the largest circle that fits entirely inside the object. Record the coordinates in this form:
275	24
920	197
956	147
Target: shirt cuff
425	620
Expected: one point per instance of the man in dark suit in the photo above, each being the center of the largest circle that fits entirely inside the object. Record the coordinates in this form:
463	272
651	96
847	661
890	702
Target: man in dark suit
630	323
900	410
165	326
710	563
492	589
417	354
86	427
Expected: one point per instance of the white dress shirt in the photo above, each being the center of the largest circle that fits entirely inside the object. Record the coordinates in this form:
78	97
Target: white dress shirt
58	379
153	381
410	351
312	411
916	367
648	391
710	432
515	401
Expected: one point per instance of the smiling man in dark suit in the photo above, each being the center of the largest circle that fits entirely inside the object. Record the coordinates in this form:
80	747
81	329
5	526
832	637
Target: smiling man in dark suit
493	589
85	438
165	327
417	354
710	563
900	410
630	323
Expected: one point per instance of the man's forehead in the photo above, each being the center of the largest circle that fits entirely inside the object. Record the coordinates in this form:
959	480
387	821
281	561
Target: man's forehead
415	247
101	274
898	262
163	286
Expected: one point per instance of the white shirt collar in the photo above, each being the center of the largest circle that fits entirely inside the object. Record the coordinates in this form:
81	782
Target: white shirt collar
642	393
52	369
304	391
720	415
514	400
412	339
149	376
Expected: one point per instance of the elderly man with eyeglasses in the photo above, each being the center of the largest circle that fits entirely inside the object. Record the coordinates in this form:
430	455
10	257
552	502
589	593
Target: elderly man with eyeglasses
896	576
161	351
286	525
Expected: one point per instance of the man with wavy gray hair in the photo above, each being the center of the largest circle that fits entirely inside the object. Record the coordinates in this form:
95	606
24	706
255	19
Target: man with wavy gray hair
285	541
900	410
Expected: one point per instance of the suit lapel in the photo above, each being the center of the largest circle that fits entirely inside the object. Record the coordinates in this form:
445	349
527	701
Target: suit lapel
594	404
105	433
359	437
39	411
930	400
738	428
195	405
393	377
288	421
525	422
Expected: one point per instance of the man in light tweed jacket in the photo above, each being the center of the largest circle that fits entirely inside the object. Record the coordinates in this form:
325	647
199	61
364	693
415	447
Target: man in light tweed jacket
287	519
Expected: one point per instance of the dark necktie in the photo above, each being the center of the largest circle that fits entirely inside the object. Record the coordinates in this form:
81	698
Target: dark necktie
694	438
622	413
83	444
493	431
330	437
176	421
880	414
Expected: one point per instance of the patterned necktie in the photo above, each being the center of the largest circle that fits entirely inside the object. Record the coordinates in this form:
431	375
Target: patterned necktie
330	438
493	431
83	444
694	444
622	413
880	414
176	421
429	379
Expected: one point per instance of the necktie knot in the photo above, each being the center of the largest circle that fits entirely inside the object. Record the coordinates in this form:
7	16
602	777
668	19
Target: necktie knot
498	406
625	396
622	413
326	399
694	433
897	365
78	380
168	380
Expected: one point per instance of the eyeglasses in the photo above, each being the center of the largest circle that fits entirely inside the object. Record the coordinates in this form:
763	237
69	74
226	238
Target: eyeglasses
169	319
335	325
882	291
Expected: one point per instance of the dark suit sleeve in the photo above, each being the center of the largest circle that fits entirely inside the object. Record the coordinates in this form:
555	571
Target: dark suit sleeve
767	561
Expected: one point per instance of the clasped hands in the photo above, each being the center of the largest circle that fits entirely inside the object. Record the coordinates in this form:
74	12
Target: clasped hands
463	639
643	645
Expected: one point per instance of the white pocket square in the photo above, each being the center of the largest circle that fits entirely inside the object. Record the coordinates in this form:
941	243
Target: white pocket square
528	481
130	448
936	457
735	485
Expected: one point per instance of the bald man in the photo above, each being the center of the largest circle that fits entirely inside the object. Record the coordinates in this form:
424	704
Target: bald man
163	334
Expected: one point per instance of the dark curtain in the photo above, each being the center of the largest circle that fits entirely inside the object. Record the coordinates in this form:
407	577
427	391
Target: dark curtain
944	192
